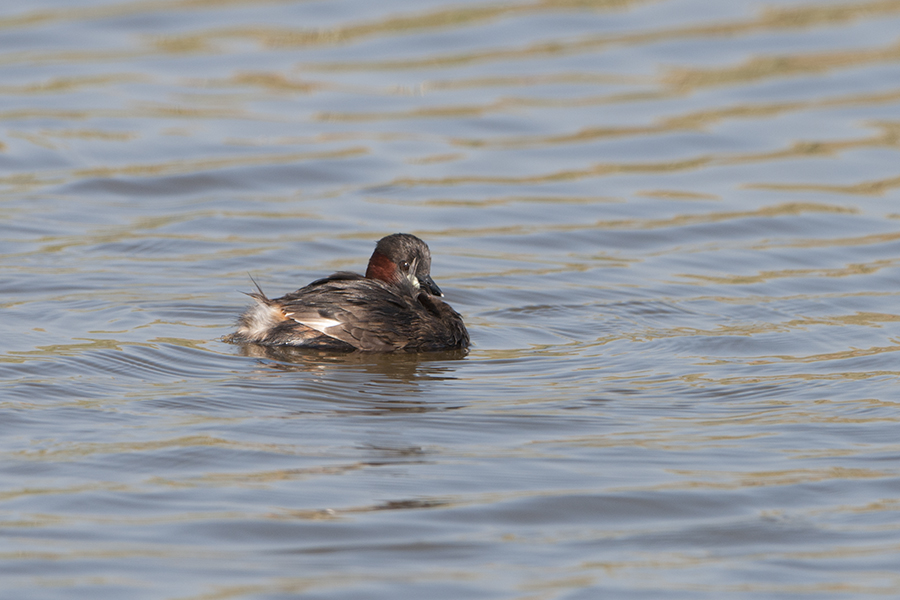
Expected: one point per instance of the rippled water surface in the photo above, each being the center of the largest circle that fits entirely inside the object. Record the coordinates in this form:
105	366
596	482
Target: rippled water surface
672	228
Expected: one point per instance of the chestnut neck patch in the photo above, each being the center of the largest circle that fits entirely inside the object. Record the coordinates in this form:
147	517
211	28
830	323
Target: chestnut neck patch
381	267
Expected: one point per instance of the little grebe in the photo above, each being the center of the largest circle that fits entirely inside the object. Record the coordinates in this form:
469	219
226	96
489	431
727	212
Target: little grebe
396	306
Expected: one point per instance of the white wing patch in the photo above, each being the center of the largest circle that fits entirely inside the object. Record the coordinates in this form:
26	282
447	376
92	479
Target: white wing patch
319	324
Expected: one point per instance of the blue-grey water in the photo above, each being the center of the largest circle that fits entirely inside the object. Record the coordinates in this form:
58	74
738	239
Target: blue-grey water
672	227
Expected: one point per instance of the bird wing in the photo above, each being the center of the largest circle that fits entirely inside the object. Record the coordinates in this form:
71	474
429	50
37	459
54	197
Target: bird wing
361	312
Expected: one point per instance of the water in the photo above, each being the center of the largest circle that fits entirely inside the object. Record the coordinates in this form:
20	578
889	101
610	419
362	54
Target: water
672	229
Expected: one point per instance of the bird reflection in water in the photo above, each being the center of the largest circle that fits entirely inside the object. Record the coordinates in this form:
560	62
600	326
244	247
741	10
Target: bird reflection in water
394	380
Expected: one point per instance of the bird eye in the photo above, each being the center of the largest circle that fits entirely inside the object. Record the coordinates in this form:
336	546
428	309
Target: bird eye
404	265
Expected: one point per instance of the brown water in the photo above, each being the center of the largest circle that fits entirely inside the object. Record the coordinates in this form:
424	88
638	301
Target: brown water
672	227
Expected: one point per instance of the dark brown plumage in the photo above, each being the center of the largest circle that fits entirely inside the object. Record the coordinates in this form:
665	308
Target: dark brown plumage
396	306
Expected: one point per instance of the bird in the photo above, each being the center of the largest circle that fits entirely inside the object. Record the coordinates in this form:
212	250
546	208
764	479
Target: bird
395	306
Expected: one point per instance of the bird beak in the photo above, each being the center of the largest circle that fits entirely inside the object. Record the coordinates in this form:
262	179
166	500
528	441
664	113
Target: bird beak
430	286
